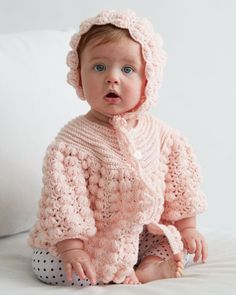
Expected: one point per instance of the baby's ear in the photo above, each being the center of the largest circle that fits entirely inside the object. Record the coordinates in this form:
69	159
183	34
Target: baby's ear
80	91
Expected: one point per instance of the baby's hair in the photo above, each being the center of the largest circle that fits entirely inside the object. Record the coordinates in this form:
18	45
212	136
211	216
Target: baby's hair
103	34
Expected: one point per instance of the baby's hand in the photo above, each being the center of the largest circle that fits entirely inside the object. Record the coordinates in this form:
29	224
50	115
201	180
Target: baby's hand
78	260
194	242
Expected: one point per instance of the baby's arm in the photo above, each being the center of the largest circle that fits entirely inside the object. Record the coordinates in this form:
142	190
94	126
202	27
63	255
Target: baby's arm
193	241
76	259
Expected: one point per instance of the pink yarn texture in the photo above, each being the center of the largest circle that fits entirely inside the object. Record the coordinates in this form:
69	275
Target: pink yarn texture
93	193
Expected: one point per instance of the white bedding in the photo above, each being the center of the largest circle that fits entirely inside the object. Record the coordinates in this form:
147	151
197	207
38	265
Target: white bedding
217	276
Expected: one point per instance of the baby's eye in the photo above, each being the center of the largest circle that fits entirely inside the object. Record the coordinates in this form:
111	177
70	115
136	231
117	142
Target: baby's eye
99	68
127	69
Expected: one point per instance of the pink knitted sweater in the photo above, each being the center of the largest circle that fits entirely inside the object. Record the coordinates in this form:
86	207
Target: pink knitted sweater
92	192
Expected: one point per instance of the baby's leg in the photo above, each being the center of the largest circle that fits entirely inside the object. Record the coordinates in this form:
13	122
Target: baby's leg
154	268
50	270
156	260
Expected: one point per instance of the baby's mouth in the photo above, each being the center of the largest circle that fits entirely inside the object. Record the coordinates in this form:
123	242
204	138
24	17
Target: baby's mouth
112	97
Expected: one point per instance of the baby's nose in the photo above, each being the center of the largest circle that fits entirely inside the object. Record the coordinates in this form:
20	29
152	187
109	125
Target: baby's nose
112	78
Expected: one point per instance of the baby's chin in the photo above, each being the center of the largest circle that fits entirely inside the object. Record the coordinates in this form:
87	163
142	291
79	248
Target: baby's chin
115	113
112	114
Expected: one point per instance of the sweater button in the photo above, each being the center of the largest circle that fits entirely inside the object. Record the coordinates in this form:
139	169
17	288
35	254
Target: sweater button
132	134
138	155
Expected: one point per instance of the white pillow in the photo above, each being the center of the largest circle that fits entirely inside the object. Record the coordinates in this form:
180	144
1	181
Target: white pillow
35	102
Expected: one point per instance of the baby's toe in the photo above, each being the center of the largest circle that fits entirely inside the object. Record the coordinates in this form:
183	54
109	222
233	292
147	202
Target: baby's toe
179	269
127	280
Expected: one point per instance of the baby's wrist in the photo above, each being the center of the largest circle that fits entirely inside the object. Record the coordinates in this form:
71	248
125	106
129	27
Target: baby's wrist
186	228
188	222
67	250
68	245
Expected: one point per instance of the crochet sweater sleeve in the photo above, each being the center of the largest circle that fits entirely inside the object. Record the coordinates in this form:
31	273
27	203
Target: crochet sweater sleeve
183	196
64	208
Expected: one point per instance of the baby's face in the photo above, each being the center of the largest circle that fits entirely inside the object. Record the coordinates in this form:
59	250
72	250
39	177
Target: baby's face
112	76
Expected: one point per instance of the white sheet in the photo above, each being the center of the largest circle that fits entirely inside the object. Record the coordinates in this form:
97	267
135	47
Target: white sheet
217	276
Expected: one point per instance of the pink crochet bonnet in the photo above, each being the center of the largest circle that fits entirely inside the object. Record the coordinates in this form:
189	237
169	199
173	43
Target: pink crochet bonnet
141	30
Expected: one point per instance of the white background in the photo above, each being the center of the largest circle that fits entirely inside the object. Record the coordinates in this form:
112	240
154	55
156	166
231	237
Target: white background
198	94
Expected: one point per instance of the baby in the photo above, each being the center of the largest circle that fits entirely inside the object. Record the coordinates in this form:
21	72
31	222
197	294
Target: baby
120	188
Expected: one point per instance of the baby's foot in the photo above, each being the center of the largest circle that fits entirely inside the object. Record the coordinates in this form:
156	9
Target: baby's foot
154	268
131	279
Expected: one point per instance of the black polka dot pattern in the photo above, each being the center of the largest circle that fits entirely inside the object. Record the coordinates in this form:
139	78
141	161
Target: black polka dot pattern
151	245
154	245
50	270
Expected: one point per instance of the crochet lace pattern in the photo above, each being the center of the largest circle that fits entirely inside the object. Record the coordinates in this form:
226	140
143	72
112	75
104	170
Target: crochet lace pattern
91	192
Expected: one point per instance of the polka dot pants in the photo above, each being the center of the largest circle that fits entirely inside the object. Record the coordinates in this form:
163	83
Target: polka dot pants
154	245
50	270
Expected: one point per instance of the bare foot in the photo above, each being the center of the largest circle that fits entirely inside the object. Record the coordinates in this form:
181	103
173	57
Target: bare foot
131	279
154	268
